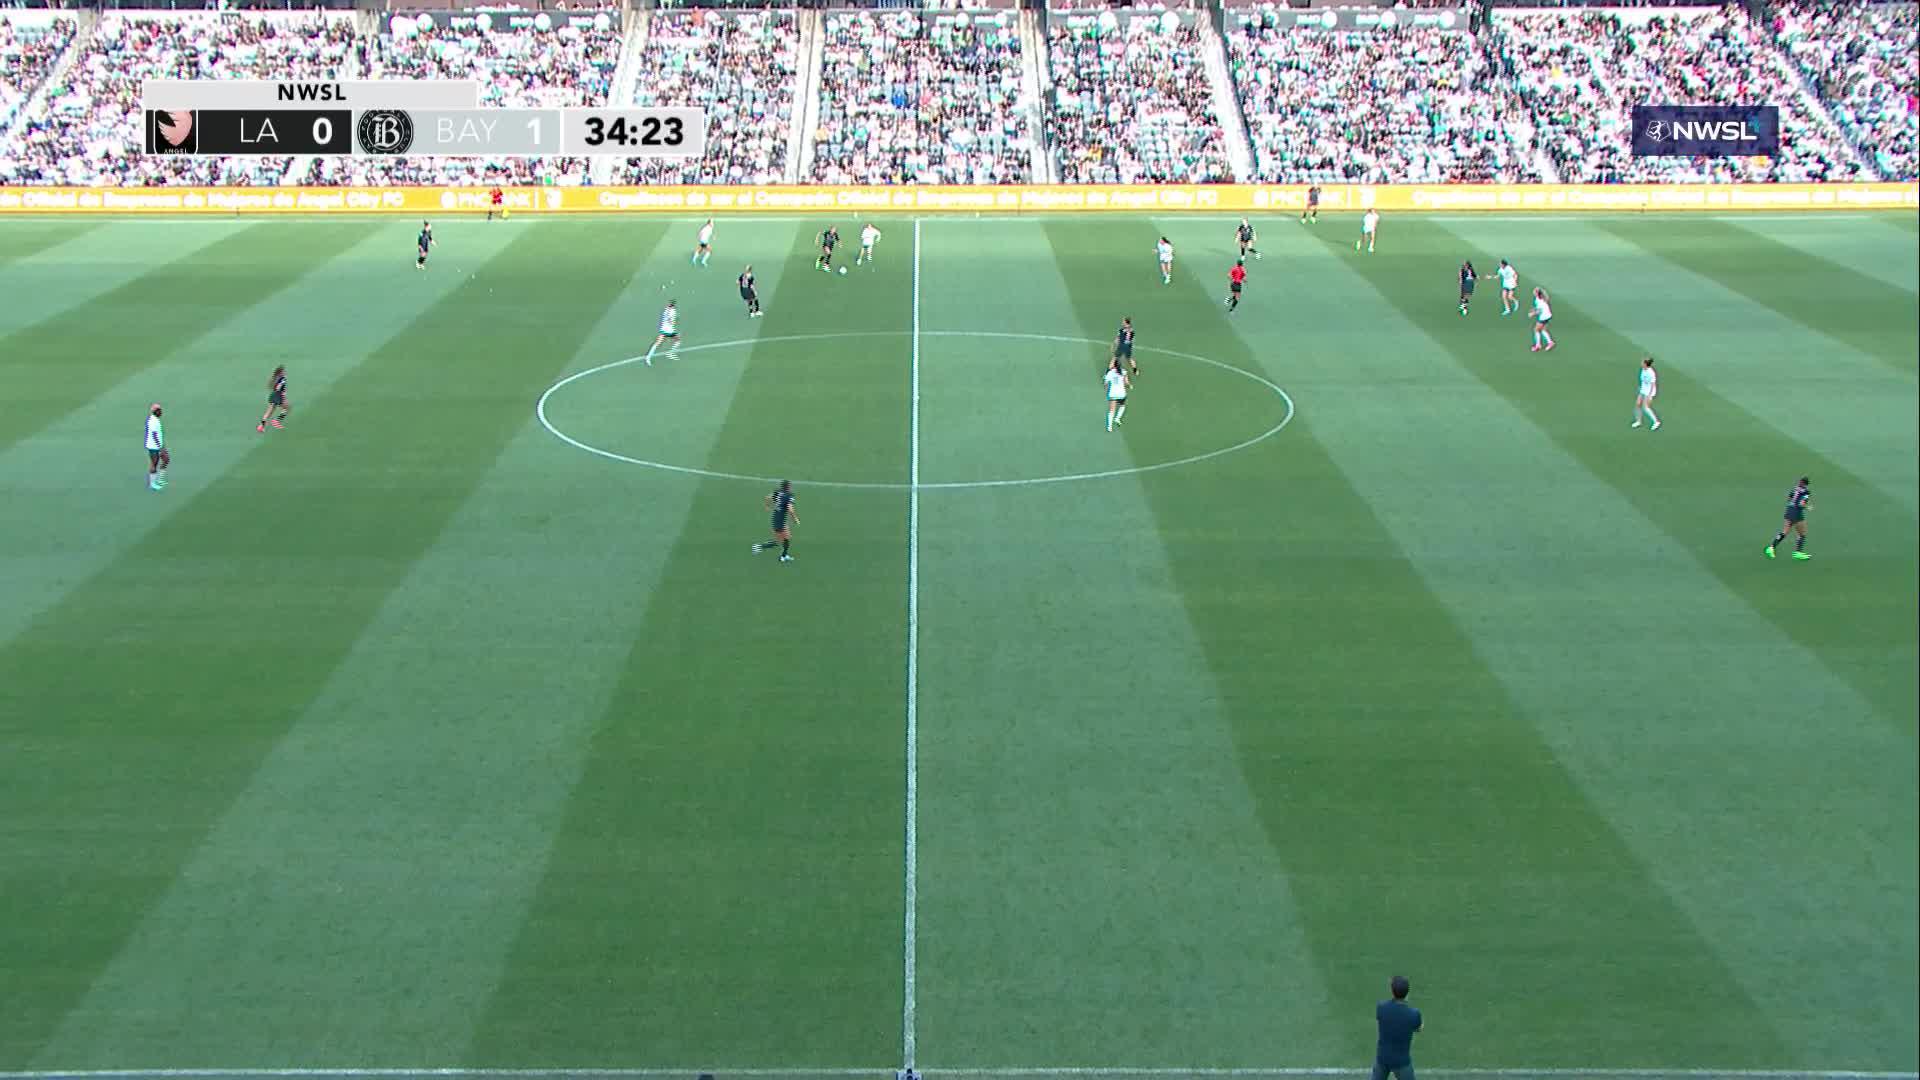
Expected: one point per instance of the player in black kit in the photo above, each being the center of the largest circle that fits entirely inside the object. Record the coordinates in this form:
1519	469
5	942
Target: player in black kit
276	400
1798	500
1312	212
827	241
784	517
1244	234
425	243
1467	278
748	293
1123	347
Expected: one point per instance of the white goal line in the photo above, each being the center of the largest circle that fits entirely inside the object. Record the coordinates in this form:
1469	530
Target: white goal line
997	1073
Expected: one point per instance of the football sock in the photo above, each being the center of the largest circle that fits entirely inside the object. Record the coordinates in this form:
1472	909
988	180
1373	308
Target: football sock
1800	543
1120	415
1651	416
1777	539
784	545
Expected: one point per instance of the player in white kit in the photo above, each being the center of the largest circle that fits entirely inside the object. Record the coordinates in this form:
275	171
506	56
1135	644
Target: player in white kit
1649	388
704	249
1164	249
157	457
1117	386
1509	281
1369	224
868	235
1542	320
669	332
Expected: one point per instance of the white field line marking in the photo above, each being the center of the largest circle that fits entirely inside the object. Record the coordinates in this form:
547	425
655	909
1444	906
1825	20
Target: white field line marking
691	1071
540	410
910	934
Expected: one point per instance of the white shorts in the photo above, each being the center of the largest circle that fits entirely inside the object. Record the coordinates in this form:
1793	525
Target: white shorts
1366	230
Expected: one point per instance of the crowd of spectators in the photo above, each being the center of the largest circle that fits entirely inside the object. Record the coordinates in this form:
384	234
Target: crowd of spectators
1608	63
1132	102
738	66
1375	106
1860	58
537	66
27	54
913	98
89	131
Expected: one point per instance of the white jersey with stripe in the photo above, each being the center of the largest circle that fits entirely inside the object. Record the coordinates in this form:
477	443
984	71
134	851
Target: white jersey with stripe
1509	278
1541	310
1116	385
706	235
1165	251
1649	382
156	438
669	321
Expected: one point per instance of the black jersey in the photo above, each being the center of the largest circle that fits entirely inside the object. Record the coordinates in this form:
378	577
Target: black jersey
1466	278
830	238
1313	195
280	385
426	239
782	507
1246	234
746	284
1798	499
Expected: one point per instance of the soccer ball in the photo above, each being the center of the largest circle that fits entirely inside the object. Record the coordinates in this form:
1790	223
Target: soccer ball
843	269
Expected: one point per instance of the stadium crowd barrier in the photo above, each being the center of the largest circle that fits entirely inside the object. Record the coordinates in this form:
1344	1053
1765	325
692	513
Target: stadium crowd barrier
956	199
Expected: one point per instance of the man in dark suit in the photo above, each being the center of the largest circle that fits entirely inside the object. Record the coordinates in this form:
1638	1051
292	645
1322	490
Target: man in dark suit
1398	1021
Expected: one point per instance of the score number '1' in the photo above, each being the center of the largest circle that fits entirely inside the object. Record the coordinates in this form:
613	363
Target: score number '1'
649	131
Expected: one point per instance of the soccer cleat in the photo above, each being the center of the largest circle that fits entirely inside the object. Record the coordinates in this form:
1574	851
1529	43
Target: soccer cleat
1636	423
1656	426
1769	551
1536	348
260	428
1550	346
786	558
757	549
1802	556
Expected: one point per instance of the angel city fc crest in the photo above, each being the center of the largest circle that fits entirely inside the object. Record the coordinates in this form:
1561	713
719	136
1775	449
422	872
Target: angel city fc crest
385	131
172	132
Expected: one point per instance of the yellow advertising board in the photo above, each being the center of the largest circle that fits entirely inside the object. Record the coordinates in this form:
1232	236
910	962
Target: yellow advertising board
962	199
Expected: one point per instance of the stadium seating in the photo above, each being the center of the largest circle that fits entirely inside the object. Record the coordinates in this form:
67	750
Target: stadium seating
740	68
1132	102
27	54
1598	65
906	97
515	67
89	129
1406	105
1861	60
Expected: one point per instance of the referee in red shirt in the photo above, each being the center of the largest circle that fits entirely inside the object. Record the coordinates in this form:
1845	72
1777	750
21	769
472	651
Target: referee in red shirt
1236	277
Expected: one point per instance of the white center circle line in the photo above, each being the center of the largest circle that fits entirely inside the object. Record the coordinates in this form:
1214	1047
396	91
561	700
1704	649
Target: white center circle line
540	411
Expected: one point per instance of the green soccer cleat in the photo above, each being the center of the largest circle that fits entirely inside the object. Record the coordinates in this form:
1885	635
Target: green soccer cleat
1802	556
1769	551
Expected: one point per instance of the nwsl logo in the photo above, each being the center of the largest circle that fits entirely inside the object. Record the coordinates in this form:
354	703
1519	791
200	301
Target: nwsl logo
1706	131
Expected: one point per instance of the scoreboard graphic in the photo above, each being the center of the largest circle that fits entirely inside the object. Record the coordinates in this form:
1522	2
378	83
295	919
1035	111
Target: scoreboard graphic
398	119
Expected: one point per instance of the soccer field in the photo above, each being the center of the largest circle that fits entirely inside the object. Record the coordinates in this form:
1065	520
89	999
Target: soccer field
456	726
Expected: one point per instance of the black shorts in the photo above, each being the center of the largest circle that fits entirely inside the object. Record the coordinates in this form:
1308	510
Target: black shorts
423	253
1124	352
778	524
154	455
1116	401
746	294
1234	286
1466	288
276	398
1795	515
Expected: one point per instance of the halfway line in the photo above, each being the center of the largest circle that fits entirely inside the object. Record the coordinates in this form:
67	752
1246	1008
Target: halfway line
910	931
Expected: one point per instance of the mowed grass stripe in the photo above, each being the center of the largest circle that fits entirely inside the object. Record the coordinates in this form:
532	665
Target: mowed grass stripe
22	239
165	310
1828	296
1867	244
1843	404
84	475
97	262
228	620
421	785
1853	607
1419	814
727	883
1088	846
1659	689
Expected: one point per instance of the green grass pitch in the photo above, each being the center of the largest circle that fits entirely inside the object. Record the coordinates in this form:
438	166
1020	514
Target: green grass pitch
417	736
